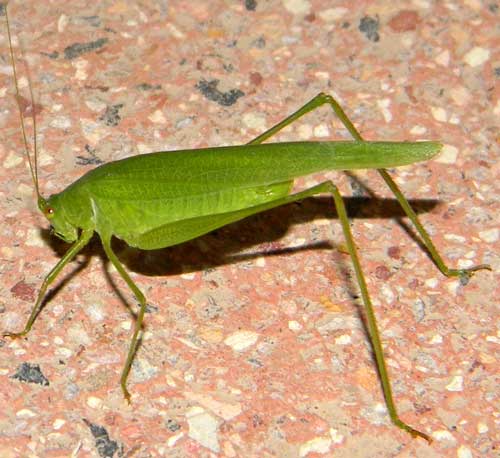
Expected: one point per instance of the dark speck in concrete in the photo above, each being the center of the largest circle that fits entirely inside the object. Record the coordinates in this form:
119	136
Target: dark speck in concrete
111	116
77	49
91	159
106	447
250	5
148	87
369	26
30	373
210	91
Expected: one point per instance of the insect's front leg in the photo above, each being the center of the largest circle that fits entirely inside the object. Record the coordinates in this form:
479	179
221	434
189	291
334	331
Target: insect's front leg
84	238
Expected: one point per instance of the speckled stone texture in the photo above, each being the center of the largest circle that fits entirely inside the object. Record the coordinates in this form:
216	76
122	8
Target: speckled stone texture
254	345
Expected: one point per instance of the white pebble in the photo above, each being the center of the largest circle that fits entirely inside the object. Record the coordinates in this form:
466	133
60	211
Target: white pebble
25	413
321	131
443	435
456	384
294	325
157	117
203	428
482	428
94	402
333	14
241	340
431	282
305	131
172	440
448	155
464	452
477	56
61	122
490	235
33	238
384	104
436	339
12	161
297	6
316	445
58	423
337	438
344	339
439	114
254	121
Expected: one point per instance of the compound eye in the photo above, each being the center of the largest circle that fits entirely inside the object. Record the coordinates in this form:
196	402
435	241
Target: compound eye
49	212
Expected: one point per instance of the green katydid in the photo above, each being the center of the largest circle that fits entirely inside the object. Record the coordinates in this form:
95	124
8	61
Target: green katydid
161	199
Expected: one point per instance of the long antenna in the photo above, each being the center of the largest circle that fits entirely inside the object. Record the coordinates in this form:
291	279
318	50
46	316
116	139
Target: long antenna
33	166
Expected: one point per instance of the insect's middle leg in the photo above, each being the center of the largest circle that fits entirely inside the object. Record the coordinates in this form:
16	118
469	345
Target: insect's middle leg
322	99
106	243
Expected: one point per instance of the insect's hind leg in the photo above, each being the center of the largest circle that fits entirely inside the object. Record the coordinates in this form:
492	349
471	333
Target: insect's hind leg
329	188
316	102
370	316
322	99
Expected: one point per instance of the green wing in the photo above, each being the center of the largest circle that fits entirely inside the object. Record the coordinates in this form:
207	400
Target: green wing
162	223
181	231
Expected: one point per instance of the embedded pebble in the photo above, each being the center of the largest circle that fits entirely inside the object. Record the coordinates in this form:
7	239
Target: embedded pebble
225	410
61	122
174	439
384	105
297	6
439	114
448	155
294	325
316	445
443	58
431	282
460	95
337	438
25	413
33	238
490	235
464	452
254	121
203	428
81	66
443	435
321	131
477	56
482	428
12	161
94	402
241	340
58	423
305	131
333	14
456	384
157	117
436	339
344	339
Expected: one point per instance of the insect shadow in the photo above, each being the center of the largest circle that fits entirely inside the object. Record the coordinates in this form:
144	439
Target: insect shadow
224	246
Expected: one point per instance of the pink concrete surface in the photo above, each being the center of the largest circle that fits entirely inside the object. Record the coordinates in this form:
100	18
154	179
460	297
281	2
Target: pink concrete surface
253	344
